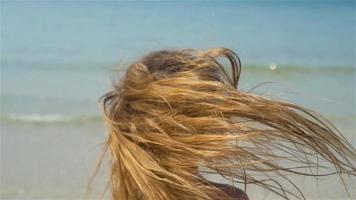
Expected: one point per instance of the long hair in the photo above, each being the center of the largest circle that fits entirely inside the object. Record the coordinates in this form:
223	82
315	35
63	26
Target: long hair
177	112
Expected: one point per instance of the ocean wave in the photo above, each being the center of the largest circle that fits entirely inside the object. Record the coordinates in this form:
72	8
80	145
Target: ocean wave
122	67
68	118
286	68
48	118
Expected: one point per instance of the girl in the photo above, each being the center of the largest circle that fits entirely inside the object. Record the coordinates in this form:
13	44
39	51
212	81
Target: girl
178	113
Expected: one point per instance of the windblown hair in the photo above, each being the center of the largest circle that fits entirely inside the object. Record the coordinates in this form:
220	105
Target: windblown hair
177	112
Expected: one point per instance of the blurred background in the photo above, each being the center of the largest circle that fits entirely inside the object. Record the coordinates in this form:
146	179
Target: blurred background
58	58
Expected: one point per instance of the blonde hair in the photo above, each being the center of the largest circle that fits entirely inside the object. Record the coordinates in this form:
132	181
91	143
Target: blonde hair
177	110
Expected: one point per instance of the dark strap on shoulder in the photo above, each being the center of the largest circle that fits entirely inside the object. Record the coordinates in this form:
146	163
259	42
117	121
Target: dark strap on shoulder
234	192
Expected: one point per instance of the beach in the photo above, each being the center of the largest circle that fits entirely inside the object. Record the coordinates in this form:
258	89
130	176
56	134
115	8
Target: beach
58	58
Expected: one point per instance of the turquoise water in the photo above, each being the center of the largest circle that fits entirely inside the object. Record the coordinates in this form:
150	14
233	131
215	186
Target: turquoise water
58	58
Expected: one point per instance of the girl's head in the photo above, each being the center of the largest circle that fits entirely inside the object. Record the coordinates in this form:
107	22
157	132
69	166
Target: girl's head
177	112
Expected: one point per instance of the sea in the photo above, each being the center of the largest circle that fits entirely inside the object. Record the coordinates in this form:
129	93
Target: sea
59	57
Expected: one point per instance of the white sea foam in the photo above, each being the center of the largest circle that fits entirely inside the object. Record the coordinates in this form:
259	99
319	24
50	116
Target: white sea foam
48	118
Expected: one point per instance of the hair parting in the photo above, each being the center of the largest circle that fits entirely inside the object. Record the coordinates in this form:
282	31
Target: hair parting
176	113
